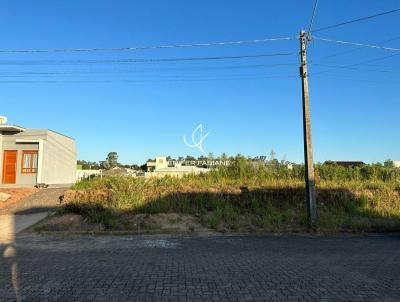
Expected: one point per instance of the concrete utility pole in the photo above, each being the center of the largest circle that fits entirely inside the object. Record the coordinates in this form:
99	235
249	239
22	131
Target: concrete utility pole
308	154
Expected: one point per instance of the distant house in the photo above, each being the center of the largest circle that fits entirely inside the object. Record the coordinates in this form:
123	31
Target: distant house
35	156
160	168
160	163
396	163
348	164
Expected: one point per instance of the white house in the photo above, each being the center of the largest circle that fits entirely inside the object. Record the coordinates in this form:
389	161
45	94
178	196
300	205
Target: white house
160	168
35	156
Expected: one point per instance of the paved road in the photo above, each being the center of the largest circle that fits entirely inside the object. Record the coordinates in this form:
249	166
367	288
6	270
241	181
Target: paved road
253	268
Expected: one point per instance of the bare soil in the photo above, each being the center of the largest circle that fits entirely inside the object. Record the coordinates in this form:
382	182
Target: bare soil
67	223
165	223
16	195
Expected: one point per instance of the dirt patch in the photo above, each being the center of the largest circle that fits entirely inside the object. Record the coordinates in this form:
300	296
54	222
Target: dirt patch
16	195
166	223
67	223
87	195
139	224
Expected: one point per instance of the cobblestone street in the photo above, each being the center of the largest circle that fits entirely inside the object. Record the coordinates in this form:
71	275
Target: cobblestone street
223	268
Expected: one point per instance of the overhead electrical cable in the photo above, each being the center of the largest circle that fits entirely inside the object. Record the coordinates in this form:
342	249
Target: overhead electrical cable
356	49
314	12
138	48
229	67
359	80
44	62
356	64
355	68
357	44
151	80
355	20
102	61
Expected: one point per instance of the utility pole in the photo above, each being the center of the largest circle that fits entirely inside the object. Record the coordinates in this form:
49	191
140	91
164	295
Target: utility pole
308	154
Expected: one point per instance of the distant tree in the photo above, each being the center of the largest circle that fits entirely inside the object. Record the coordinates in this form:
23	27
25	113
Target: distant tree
129	166
88	165
272	155
202	158
111	161
389	163
135	167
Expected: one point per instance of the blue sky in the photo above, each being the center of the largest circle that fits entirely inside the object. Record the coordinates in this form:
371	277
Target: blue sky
142	109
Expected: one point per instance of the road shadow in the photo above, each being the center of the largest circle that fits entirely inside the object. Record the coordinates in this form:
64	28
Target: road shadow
10	225
9	287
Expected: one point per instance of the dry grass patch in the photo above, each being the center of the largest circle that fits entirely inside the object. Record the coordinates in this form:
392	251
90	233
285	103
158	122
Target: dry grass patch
245	198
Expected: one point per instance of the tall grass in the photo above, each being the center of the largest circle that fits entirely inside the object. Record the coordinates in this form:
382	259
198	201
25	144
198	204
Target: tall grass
252	195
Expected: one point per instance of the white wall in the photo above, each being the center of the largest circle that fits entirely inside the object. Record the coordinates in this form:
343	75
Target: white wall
86	173
59	159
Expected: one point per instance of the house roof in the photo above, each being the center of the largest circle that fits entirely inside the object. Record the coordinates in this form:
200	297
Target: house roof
28	131
11	128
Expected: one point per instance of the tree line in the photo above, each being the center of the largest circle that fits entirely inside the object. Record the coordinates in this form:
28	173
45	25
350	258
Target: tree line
111	161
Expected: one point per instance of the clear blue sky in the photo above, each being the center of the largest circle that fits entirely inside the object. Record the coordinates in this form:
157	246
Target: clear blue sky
141	110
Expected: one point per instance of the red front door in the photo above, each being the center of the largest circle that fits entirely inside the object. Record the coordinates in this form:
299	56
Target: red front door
9	166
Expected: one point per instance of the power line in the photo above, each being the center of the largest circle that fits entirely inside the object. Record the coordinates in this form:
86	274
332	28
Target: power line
356	49
119	74
357	64
355	68
359	80
150	80
357	44
224	43
355	20
46	62
313	16
70	72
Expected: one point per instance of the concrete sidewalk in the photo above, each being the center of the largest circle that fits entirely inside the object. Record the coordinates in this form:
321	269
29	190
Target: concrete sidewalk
28	211
41	201
11	224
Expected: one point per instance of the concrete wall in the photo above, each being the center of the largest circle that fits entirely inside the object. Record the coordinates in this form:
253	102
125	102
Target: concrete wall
59	159
81	174
176	173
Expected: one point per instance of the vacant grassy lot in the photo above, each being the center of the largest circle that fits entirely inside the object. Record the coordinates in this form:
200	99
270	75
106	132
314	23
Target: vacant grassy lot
247	197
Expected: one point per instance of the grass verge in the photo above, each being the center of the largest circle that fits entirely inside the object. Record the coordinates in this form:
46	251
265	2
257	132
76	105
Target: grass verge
247	198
